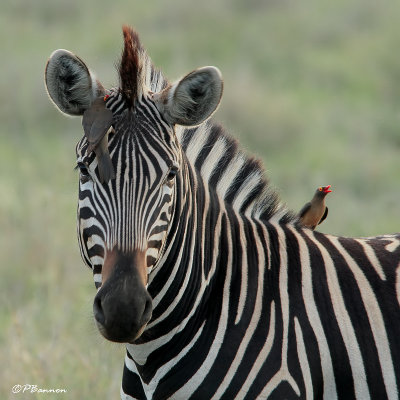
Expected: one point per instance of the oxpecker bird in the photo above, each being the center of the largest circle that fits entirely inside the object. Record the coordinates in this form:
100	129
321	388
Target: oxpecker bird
315	211
96	124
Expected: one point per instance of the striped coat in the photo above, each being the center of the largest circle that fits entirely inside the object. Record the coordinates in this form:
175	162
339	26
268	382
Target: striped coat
216	288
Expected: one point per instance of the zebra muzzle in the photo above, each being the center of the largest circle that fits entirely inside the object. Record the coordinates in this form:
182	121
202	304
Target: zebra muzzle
122	306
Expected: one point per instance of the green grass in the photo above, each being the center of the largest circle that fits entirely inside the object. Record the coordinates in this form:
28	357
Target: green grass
311	87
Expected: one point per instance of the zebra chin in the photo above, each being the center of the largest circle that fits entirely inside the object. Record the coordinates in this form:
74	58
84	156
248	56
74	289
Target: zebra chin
120	337
122	307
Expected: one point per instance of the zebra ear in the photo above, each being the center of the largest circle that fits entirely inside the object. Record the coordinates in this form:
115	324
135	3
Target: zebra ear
70	84
193	99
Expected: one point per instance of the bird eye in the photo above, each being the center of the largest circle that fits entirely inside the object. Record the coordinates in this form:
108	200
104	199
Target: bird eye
320	189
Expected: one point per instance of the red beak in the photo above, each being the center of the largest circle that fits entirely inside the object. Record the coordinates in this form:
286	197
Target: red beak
325	189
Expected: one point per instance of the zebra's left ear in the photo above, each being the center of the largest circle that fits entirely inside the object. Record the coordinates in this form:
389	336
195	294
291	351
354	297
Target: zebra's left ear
193	99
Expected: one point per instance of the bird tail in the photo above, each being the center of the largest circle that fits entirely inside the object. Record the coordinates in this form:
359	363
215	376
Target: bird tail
106	169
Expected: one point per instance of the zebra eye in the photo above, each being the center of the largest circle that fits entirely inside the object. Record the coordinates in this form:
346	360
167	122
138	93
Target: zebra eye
172	173
82	168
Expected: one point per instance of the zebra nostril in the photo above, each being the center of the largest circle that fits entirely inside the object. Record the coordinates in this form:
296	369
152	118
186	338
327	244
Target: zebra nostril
98	310
148	309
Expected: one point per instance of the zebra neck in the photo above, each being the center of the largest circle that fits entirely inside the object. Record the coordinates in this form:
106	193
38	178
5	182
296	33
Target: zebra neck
200	260
184	289
190	259
218	265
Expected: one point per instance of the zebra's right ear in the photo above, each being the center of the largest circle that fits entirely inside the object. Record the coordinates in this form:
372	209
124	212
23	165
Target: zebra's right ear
70	84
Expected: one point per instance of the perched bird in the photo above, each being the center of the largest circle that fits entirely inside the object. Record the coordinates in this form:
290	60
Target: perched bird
96	122
315	211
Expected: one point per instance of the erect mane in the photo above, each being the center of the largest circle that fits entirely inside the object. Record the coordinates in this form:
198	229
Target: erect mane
238	179
136	71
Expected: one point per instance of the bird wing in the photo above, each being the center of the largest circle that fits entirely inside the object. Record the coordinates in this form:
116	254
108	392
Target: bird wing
324	216
96	122
304	210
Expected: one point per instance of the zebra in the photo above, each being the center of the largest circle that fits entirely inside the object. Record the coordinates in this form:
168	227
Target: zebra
212	283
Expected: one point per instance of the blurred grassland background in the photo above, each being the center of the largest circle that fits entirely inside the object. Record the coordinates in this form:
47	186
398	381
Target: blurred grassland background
311	87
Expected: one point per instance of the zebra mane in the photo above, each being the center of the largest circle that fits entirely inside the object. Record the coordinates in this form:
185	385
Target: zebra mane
136	70
238	178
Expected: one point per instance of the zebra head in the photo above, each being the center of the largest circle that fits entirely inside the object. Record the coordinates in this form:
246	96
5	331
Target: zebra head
130	165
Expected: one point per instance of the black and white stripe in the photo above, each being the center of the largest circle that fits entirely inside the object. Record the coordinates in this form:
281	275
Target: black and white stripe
130	217
247	304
